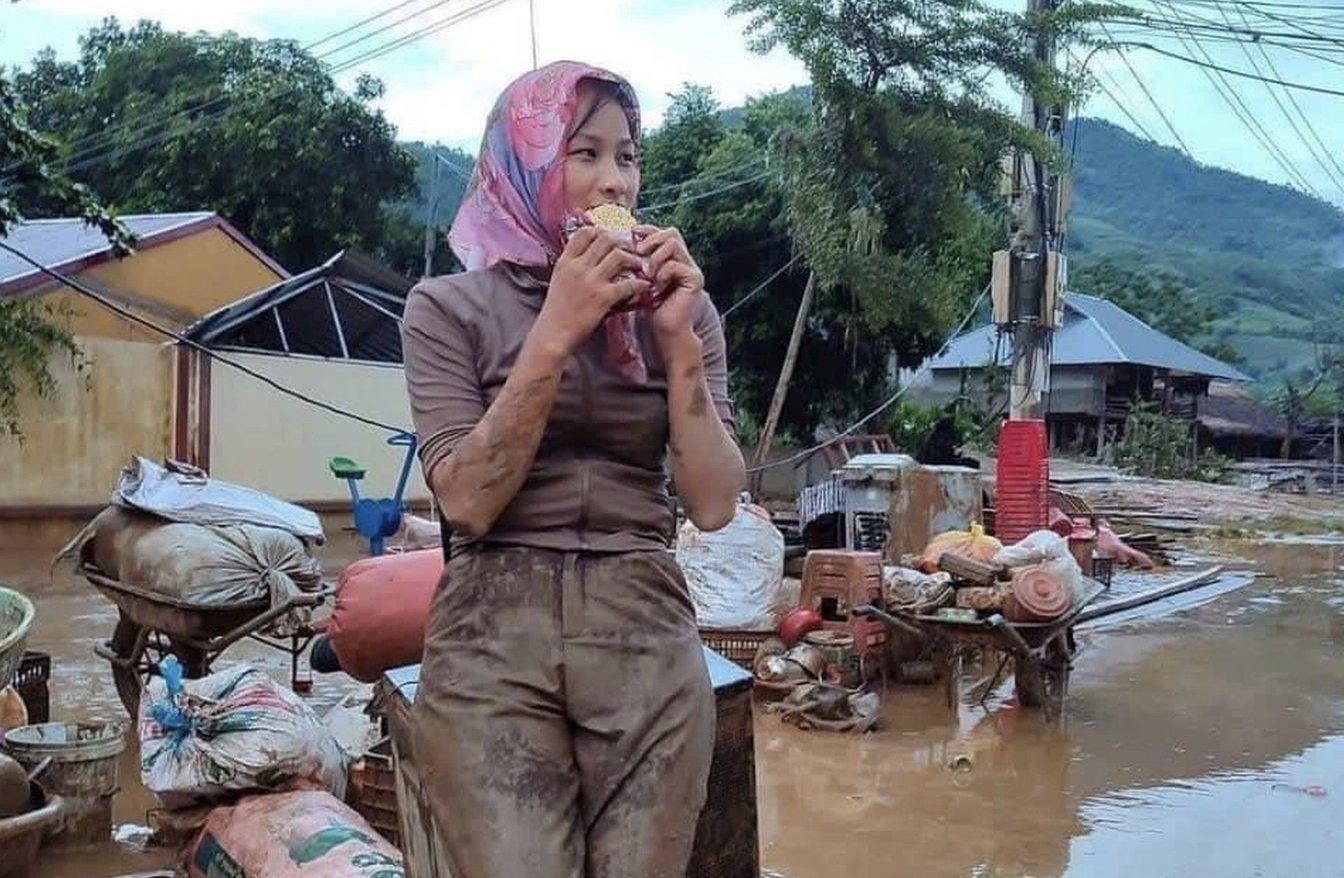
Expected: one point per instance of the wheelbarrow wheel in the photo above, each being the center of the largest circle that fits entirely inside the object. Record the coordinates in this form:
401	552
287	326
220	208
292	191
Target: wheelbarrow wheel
1044	684
131	670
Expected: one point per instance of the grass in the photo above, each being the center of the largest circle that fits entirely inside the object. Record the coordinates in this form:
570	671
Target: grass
1283	524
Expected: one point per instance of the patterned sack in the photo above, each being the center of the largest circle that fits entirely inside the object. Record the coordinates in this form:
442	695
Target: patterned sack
291	835
236	731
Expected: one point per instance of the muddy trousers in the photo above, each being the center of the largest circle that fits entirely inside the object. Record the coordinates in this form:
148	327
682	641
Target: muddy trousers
564	724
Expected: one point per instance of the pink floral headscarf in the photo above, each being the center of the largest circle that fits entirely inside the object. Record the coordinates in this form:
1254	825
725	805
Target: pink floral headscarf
514	209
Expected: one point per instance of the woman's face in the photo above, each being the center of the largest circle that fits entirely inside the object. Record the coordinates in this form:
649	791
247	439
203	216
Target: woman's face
601	160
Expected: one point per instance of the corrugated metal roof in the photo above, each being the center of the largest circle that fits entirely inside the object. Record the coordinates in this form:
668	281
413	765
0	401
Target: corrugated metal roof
58	242
295	315
1095	332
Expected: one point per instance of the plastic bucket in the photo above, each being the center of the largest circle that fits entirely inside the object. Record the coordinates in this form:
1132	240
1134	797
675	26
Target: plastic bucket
83	773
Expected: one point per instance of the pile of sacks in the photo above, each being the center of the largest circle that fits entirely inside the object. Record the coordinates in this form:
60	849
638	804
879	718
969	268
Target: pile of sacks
250	781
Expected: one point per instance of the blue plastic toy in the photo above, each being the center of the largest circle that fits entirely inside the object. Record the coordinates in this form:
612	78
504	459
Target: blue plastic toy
377	519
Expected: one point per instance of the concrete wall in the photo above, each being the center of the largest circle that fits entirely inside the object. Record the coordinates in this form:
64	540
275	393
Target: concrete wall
269	441
76	443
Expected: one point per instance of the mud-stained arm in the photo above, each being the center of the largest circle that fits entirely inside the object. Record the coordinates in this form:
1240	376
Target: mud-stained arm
707	466
488	466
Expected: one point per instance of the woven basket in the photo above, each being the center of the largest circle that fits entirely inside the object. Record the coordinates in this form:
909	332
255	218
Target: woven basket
739	647
16	620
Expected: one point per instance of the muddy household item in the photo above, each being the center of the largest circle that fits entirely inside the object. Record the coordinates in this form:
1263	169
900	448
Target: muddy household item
381	609
834	582
1022	480
31	683
153	626
21	836
83	772
1083	546
1037	596
13	787
917	673
982	599
16	620
799	623
837	647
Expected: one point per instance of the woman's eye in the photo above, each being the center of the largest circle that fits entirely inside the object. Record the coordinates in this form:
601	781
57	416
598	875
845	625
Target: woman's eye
587	153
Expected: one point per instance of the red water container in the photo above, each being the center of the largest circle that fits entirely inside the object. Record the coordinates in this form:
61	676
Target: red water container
1022	480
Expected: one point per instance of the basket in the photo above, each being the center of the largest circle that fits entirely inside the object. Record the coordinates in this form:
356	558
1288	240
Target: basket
31	684
739	647
16	620
375	791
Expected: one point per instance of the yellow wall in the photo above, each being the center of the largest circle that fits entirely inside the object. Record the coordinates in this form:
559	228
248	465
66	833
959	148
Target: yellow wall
189	277
76	443
274	443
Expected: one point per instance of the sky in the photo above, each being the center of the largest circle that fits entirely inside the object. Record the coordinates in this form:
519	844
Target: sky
440	87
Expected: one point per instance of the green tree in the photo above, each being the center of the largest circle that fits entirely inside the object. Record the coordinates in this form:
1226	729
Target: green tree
891	193
30	331
255	130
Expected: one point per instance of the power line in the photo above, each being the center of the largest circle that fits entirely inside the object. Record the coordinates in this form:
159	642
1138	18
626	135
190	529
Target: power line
348	64
1329	172
192	343
759	289
890	401
686	199
1148	94
1301	86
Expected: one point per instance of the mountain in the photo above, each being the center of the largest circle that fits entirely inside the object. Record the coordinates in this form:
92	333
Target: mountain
1268	259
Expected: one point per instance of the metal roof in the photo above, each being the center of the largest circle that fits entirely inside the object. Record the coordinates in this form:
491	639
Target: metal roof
349	307
1095	332
71	243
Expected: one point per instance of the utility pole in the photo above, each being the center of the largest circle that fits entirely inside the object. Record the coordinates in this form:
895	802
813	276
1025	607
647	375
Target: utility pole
1030	277
431	215
1028	292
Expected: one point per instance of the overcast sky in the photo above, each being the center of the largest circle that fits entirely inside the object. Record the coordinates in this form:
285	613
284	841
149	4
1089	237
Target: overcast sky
440	87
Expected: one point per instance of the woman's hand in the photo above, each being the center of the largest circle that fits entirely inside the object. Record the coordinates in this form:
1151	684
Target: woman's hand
586	286
675	274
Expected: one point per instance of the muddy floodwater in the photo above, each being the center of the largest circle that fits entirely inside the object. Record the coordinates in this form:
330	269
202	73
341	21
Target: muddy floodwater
1206	742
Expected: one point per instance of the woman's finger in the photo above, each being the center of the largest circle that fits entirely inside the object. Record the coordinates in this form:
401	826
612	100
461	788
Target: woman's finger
616	261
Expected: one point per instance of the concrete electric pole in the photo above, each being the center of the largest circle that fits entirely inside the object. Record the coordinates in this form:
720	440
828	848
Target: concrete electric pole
1030	276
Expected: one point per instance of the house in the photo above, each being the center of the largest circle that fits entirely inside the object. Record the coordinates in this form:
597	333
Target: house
1102	359
331	336
127	400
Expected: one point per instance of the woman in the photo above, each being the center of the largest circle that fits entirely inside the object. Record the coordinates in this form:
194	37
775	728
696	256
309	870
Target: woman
565	717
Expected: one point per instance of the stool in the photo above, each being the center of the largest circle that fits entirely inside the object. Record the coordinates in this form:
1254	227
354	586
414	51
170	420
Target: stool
835	581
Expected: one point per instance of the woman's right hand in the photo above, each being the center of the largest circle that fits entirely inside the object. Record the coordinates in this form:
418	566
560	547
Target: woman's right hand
586	286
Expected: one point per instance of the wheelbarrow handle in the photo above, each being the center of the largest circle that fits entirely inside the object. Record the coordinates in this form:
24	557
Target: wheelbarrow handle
868	610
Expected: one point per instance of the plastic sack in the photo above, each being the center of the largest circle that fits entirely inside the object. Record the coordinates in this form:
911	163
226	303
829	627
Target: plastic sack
735	574
382	607
181	492
1050	551
236	731
200	564
291	835
974	544
419	533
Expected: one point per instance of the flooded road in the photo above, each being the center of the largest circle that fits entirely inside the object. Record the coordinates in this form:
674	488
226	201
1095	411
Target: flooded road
1197	744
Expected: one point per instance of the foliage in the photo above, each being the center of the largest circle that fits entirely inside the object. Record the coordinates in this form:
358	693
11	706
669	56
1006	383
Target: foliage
1160	447
31	332
890	186
255	130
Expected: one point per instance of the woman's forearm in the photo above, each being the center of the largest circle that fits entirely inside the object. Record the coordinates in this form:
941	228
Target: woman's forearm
485	471
707	466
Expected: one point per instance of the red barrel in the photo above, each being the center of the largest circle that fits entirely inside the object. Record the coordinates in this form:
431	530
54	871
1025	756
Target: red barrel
1022	480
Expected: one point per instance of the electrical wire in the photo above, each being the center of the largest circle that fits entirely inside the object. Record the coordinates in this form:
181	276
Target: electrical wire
1149	95
128	314
1301	86
759	289
100	154
890	401
83	147
687	199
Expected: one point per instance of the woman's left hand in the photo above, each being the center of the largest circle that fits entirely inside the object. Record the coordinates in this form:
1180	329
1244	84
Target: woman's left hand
679	279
